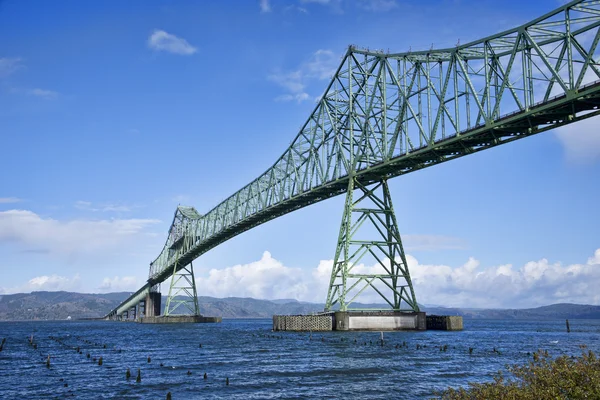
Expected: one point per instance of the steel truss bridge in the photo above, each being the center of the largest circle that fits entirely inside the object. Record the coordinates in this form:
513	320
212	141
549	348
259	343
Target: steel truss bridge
389	114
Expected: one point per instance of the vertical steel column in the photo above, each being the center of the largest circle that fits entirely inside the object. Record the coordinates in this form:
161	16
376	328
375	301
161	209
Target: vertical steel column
389	279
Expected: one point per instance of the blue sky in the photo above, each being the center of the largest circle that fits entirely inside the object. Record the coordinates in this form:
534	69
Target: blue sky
112	113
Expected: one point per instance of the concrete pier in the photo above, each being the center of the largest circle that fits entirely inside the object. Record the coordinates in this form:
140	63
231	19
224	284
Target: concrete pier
352	321
379	321
152	304
445	322
179	319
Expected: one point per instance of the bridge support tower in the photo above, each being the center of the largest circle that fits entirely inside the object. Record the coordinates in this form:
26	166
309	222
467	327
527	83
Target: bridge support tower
182	292
369	234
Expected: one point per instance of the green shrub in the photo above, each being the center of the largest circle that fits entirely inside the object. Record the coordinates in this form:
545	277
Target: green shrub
542	378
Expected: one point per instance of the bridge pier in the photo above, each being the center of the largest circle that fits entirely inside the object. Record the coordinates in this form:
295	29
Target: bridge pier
352	321
368	234
152	304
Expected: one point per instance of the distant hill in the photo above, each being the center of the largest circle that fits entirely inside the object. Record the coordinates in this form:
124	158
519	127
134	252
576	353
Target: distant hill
60	305
57	305
562	310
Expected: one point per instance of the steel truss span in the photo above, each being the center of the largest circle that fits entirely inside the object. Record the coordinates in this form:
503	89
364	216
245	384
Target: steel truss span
389	114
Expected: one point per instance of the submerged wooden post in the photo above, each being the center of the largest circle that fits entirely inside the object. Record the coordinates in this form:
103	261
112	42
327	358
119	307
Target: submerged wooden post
568	327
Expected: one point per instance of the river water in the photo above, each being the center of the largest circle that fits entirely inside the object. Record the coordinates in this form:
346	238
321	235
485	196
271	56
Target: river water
263	364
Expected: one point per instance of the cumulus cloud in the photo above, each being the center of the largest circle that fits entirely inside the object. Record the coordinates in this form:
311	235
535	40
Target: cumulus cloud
266	278
45	282
119	284
29	231
163	41
581	140
9	65
321	65
534	284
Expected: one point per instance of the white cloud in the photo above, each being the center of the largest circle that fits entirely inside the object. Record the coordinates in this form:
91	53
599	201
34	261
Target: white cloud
45	94
9	65
88	206
163	41
299	97
321	65
265	6
31	232
45	282
378	5
267	278
6	200
291	81
470	285
581	140
120	284
596	259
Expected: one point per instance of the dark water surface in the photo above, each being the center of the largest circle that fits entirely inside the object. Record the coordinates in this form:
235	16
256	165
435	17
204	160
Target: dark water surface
264	364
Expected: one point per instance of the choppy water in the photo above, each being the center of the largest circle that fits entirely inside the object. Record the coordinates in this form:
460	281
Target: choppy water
264	364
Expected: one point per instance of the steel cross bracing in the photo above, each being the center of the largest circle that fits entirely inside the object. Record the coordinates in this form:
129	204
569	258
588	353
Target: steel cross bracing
182	292
388	114
391	279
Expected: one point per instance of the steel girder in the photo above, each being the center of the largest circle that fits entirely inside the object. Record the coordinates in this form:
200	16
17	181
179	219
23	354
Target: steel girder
388	114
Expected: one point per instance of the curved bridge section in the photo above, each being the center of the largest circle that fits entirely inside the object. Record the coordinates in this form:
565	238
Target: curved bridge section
389	114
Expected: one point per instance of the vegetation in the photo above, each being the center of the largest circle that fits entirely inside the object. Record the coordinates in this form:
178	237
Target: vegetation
542	378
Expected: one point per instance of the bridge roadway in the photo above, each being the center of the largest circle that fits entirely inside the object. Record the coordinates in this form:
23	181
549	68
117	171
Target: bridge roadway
283	188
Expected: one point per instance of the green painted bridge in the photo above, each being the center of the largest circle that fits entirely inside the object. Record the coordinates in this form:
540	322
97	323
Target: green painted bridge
388	114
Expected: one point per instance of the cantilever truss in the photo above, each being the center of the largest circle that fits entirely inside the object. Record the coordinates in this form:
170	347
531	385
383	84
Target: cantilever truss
388	114
390	279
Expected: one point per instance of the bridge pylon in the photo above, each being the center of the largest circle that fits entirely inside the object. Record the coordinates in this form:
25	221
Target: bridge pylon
182	291
369	232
